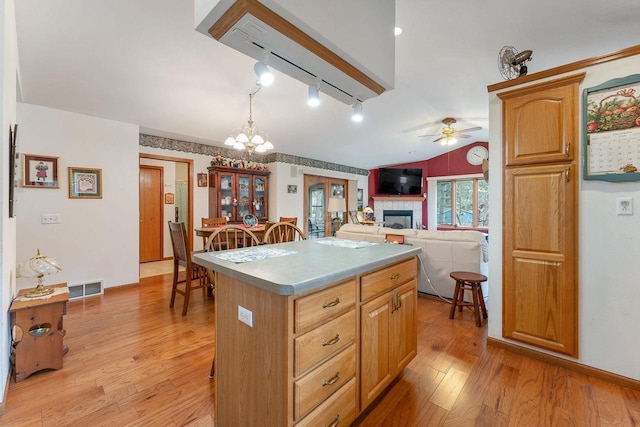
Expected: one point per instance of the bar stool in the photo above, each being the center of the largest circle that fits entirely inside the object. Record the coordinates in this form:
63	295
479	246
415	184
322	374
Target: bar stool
466	280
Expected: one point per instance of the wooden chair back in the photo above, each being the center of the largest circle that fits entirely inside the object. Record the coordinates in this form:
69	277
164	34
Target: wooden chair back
212	222
281	232
354	217
293	220
194	275
231	237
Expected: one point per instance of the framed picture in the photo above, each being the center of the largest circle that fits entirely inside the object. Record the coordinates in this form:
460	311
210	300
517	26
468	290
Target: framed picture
611	131
169	199
202	180
292	189
39	171
360	195
85	183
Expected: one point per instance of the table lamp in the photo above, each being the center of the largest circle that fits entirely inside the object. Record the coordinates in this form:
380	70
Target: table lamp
337	205
37	267
368	213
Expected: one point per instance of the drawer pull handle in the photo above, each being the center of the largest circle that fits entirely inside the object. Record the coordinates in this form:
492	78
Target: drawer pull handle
331	341
332	303
395	276
332	380
335	422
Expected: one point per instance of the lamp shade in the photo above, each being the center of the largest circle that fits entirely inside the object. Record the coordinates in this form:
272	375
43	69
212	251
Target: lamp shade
337	204
38	266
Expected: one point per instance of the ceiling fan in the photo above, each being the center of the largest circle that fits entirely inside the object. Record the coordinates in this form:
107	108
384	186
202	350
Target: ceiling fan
449	135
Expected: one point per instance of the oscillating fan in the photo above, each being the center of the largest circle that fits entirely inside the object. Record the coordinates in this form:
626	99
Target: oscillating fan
511	63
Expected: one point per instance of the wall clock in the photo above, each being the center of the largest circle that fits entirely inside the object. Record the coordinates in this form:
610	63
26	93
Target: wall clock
477	154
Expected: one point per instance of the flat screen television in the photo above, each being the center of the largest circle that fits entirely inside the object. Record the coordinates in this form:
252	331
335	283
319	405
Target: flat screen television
399	181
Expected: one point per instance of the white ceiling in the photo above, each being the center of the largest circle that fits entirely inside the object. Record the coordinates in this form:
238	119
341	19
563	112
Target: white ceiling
141	62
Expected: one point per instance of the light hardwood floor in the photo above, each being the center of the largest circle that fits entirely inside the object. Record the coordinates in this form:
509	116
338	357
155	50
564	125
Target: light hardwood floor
134	362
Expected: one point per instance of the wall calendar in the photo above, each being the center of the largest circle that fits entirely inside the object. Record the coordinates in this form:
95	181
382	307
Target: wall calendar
612	130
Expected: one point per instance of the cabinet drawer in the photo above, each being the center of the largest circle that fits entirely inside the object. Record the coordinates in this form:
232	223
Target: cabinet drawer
322	342
387	278
317	308
322	382
340	407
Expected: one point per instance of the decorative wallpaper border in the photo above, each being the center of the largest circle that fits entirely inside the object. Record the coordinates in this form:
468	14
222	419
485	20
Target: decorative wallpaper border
213	151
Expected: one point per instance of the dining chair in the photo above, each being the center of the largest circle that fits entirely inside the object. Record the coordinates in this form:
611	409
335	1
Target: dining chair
354	217
228	237
281	232
212	222
293	220
195	276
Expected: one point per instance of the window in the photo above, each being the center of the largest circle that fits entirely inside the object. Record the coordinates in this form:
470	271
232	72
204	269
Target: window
467	199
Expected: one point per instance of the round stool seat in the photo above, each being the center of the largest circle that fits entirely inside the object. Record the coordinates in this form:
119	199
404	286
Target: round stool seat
467	280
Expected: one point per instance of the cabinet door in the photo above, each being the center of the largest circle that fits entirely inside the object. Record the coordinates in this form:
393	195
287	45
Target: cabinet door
375	367
259	198
226	195
244	196
404	338
540	286
539	122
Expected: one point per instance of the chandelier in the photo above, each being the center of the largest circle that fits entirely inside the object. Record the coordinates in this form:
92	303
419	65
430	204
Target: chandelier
249	137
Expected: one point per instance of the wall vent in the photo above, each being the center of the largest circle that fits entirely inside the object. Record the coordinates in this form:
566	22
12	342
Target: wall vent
87	289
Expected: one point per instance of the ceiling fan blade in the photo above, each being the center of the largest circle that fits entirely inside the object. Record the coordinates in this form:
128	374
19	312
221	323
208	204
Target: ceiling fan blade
427	135
469	130
461	135
438	139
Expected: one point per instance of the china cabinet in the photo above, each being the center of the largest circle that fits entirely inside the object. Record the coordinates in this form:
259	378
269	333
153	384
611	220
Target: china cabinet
235	192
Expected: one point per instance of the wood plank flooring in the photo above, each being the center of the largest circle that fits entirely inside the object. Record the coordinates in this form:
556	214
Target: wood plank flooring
134	362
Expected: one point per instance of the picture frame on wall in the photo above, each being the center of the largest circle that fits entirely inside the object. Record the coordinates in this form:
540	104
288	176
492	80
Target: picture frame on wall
202	180
39	171
85	183
169	199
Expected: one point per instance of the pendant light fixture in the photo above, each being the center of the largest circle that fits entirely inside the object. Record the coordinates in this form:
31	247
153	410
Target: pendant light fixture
249	137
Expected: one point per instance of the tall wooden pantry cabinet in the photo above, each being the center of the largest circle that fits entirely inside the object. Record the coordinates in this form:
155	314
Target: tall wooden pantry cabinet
540	214
235	192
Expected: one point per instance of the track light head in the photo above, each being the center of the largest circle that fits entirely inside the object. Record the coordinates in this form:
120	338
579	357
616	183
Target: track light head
314	96
357	116
264	75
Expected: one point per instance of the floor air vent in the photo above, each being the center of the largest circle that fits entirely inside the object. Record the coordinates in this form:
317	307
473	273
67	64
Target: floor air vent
81	290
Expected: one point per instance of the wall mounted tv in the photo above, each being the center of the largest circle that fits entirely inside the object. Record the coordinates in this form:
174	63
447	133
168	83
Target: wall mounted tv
399	181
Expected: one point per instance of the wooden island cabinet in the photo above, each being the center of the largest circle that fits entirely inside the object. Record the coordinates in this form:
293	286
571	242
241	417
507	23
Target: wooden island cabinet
312	337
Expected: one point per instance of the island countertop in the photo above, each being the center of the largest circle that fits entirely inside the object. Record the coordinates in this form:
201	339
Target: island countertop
305	265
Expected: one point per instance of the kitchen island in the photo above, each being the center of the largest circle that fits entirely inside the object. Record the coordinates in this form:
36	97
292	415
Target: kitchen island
310	332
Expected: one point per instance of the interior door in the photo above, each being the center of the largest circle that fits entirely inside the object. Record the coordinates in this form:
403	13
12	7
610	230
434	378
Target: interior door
151	213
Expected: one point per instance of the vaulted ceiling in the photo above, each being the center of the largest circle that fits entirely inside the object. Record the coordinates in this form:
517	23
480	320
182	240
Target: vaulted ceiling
142	62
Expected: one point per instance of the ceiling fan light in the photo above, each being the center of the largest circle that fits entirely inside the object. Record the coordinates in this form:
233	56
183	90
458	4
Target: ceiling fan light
242	138
260	148
265	77
314	96
257	139
230	141
268	145
238	145
451	141
357	116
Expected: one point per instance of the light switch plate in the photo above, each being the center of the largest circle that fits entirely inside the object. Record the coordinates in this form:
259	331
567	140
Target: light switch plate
624	205
50	219
245	316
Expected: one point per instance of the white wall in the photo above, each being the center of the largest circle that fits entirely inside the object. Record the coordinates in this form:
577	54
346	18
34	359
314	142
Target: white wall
282	203
97	239
8	72
200	194
609	251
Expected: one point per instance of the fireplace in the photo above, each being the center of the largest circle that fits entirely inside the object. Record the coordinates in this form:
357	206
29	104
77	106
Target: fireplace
397	218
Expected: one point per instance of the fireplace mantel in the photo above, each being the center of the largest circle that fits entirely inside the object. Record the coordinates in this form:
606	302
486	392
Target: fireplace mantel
398	198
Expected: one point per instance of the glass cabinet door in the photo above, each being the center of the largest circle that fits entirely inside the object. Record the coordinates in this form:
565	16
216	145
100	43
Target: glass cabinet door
258	197
244	196
226	196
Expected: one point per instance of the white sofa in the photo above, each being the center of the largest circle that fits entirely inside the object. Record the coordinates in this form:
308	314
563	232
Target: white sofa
442	253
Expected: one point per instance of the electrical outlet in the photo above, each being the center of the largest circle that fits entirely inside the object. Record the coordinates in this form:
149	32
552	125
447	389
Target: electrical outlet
245	316
624	205
50	219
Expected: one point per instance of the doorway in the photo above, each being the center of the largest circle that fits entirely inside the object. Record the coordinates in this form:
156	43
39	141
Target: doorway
175	201
321	196
151	216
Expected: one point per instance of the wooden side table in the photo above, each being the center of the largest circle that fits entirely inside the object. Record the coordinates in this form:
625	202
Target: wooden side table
466	280
37	332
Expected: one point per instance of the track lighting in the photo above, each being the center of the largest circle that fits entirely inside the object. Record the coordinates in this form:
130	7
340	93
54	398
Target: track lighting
264	75
356	116
314	96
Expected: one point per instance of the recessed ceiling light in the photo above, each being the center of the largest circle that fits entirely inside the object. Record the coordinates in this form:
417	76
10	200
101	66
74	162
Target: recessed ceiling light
397	31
